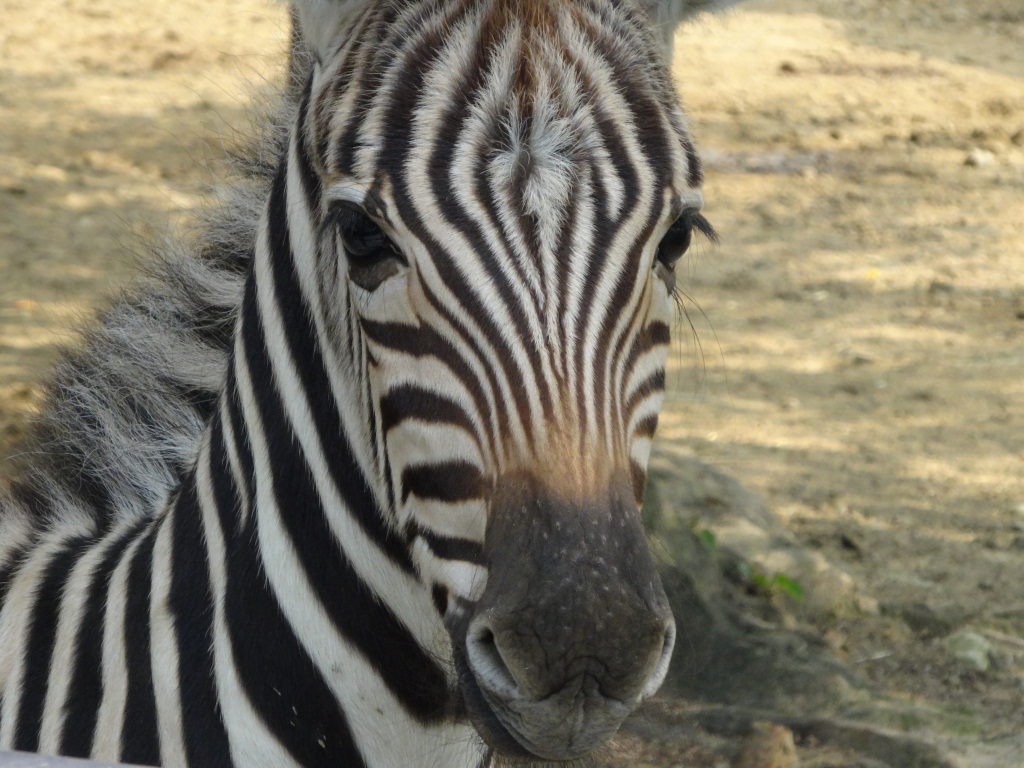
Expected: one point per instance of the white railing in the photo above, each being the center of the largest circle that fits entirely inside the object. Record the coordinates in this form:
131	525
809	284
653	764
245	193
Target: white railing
22	760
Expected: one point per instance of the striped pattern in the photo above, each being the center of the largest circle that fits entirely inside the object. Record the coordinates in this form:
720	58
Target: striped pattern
261	488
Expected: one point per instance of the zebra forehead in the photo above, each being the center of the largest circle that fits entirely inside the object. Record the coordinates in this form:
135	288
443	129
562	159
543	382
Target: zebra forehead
536	94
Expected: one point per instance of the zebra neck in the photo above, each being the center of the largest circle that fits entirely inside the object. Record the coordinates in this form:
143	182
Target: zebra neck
297	542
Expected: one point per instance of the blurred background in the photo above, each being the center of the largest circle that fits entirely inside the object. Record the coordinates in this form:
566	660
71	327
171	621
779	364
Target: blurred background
854	348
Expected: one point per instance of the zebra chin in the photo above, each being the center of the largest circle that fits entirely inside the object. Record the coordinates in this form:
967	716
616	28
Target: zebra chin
562	727
573	630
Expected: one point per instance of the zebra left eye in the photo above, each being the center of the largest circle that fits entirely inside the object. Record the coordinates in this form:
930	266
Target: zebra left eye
372	257
677	241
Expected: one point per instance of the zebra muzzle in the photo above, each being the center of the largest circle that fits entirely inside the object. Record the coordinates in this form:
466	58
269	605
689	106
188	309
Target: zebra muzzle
573	630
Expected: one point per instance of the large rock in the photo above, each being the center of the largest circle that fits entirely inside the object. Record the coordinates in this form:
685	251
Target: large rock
746	530
732	646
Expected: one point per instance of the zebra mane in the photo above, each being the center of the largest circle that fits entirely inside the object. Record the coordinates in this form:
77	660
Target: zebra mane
124	409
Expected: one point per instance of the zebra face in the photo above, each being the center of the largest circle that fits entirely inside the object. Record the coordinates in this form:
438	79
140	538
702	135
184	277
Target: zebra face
507	187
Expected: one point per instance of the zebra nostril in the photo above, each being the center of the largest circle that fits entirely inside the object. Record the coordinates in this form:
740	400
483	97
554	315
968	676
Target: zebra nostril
660	668
488	663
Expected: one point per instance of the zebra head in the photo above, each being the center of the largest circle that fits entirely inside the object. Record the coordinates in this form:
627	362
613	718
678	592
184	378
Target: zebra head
499	191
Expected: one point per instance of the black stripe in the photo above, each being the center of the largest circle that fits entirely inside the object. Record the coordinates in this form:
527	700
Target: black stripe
452	549
429	342
647	426
653	383
654	335
411	674
280	679
191	606
140	738
411	402
42	634
426	342
613	343
561	292
397	137
450	482
640	339
309	364
442	158
85	690
618	372
243	449
468	296
606	393
225	492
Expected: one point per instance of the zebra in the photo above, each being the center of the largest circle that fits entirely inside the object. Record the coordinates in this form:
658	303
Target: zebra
354	477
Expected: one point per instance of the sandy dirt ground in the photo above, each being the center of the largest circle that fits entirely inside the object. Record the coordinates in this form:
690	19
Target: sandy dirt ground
857	350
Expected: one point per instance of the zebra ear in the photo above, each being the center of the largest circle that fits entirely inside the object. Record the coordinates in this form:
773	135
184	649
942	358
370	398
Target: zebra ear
667	14
322	23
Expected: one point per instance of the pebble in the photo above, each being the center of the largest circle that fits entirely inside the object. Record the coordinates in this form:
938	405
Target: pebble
861	358
970	649
768	746
979	158
923	620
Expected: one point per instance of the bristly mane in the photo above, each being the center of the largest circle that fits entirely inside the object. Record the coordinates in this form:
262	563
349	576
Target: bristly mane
124	409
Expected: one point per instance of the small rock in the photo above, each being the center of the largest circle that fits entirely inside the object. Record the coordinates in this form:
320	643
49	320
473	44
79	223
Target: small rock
971	649
867	605
1018	138
787	67
768	746
861	358
923	620
850	544
979	158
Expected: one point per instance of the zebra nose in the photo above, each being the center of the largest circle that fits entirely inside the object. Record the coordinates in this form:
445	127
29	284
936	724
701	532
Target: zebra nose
573	629
564	715
506	674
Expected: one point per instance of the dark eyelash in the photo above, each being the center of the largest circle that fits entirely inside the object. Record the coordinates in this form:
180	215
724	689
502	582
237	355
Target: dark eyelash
702	225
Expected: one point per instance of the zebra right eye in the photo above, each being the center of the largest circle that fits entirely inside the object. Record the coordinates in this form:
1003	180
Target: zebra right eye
372	257
677	241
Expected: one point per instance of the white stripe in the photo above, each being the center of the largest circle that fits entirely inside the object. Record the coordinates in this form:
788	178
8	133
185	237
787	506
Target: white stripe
109	722
385	734
15	625
163	648
407	596
252	743
461	578
241	482
81	584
